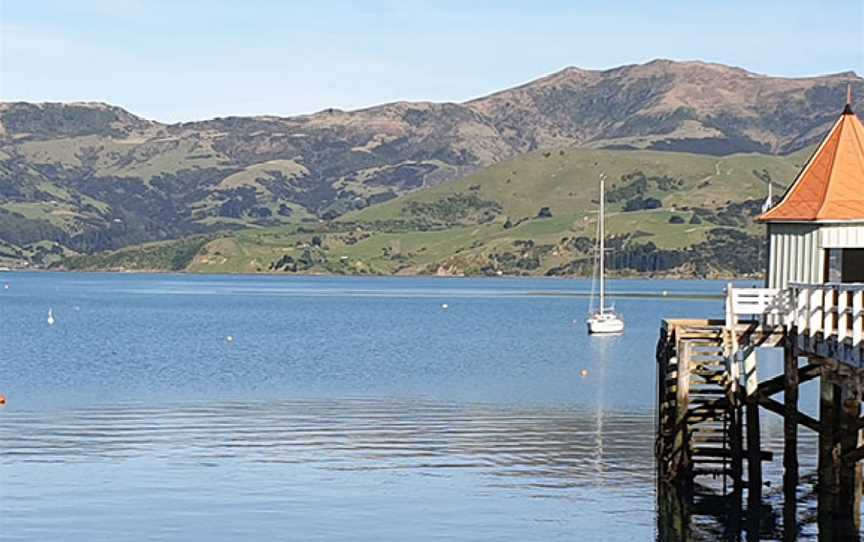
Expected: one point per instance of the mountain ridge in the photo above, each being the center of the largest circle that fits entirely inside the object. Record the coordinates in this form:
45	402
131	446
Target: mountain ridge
654	67
846	74
88	176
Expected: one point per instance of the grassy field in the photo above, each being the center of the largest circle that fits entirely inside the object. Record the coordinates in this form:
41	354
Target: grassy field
566	181
533	215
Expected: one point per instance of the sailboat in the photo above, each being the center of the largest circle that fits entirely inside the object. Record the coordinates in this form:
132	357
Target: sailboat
604	319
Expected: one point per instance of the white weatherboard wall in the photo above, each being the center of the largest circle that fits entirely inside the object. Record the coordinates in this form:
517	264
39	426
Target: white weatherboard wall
796	251
842	235
794	254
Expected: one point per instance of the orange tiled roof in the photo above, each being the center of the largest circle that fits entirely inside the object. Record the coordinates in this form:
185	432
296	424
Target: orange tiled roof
831	185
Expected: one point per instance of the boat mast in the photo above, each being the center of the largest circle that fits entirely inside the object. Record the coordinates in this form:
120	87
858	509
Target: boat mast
602	242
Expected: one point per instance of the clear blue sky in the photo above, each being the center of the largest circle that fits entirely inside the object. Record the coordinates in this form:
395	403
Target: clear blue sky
176	60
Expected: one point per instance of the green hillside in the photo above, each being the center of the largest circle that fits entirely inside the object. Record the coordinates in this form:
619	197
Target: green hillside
566	181
669	213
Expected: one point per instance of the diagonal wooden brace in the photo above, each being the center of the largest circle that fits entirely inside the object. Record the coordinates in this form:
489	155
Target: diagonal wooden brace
779	408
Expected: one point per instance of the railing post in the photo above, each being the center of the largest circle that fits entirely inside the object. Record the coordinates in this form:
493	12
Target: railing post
801	311
842	314
790	312
828	312
815	310
730	315
731	323
857	318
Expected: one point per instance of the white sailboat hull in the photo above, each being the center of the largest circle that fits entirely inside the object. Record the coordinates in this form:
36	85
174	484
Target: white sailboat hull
605	323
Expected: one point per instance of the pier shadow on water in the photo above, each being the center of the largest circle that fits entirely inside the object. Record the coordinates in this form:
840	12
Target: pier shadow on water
707	516
712	513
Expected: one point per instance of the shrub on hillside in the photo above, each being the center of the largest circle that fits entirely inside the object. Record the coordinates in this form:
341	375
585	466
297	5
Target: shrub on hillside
639	203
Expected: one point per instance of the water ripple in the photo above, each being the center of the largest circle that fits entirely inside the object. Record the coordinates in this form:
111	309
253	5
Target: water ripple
542	446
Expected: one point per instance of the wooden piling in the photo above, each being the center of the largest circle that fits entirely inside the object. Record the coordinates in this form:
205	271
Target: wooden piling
754	455
790	441
848	502
839	486
662	408
673	513
736	438
827	486
681	444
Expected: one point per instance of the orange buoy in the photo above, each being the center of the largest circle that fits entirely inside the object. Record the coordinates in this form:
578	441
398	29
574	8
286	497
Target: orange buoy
2	399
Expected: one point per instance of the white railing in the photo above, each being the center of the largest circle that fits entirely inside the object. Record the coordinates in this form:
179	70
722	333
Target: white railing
827	319
768	305
829	309
761	302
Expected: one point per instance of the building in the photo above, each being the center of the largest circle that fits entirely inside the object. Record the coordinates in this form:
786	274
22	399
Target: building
709	394
816	231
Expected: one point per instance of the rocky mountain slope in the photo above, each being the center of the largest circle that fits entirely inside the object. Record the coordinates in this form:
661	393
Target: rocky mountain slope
85	177
664	105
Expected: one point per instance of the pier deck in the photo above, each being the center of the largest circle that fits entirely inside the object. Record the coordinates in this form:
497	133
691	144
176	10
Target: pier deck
709	400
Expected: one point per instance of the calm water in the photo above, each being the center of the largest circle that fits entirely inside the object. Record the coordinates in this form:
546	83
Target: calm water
343	409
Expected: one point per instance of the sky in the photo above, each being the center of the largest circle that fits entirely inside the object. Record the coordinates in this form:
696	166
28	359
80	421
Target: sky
188	60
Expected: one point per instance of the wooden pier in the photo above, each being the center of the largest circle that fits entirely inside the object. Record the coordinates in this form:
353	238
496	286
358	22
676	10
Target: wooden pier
709	397
709	401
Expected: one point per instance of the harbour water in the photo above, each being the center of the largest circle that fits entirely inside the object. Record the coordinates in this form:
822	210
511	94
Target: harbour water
163	407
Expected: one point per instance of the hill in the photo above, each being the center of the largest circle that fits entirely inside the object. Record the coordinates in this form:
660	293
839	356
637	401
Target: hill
670	213
80	178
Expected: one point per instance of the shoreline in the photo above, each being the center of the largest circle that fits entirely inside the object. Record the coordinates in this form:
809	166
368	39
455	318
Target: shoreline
392	275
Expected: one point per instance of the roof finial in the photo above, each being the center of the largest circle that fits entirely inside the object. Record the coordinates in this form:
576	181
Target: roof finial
848	109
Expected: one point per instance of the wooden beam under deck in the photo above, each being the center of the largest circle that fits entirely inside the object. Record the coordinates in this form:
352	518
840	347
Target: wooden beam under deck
776	385
779	408
854	455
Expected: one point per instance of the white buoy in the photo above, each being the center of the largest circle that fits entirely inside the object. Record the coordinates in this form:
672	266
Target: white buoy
50	317
444	306
5	286
665	293
230	338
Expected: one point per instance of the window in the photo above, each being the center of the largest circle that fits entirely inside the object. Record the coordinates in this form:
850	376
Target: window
852	265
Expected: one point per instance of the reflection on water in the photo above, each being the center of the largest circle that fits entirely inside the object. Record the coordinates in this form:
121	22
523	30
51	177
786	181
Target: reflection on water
482	452
538	447
345	409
